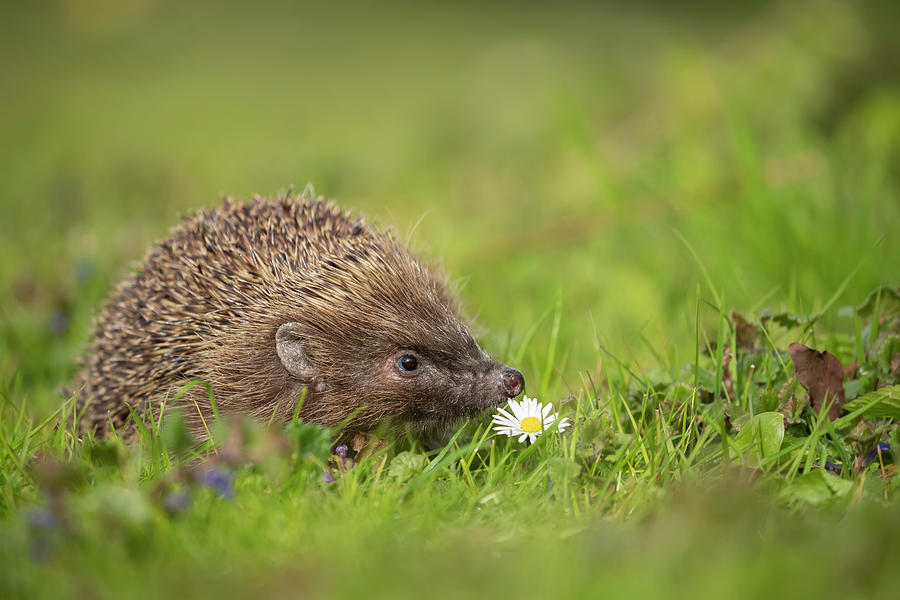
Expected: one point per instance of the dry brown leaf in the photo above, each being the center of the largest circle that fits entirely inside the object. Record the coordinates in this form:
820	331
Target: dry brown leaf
727	381
746	331
822	375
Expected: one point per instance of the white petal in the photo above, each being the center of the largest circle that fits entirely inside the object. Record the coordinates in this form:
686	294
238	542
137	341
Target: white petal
516	408
505	424
504	415
546	410
563	424
505	412
519	409
522	437
526	404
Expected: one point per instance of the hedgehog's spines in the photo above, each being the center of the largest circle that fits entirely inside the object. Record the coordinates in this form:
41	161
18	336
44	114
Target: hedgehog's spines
206	301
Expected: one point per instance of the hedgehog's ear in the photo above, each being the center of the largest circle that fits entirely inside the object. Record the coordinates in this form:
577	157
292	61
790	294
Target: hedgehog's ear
289	345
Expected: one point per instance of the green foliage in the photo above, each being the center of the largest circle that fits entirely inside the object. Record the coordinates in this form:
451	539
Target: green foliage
309	439
760	438
880	404
405	465
818	487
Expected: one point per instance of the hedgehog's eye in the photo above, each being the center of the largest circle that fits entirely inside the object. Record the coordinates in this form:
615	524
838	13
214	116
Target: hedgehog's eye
408	364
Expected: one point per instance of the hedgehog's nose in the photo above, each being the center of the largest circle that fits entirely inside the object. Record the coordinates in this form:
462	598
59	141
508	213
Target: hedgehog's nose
511	382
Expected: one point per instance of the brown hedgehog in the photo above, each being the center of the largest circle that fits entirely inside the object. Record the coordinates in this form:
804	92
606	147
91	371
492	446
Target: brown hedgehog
271	300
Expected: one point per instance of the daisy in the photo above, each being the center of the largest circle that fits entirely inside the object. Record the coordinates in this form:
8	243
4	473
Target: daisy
529	419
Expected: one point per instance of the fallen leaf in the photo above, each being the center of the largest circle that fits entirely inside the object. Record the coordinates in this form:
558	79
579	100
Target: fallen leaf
366	445
360	441
727	380
822	376
747	333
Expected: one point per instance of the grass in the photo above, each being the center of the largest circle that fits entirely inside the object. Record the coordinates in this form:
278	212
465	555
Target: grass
611	185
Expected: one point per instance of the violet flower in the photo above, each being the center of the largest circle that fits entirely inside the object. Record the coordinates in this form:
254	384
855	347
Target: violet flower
220	479
176	502
41	518
342	452
42	522
873	453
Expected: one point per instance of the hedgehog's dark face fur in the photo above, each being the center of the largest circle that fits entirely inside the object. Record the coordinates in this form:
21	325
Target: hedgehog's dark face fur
374	335
399	353
270	301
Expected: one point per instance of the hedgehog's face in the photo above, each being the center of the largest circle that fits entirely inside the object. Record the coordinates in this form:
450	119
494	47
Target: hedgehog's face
434	386
378	336
403	380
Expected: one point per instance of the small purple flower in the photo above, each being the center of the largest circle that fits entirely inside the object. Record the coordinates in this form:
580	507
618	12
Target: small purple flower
176	502
84	270
326	476
830	466
41	518
42	522
220	479
342	452
873	453
59	323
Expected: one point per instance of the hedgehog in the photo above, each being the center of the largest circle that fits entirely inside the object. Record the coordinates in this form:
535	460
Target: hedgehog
282	306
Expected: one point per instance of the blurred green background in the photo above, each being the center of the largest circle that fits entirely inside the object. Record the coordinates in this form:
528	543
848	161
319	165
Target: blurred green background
542	152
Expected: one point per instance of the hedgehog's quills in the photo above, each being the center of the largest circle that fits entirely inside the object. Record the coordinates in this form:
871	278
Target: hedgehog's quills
265	298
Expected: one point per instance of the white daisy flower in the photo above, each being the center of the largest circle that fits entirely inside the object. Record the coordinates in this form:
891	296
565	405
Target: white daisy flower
529	419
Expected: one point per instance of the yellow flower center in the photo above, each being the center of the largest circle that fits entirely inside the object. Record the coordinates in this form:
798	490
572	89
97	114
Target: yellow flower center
530	425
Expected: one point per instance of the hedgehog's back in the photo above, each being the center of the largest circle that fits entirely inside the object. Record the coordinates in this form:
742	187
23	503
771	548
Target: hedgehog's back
216	271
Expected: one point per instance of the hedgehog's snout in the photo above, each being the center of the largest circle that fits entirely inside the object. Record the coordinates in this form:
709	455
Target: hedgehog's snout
511	382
